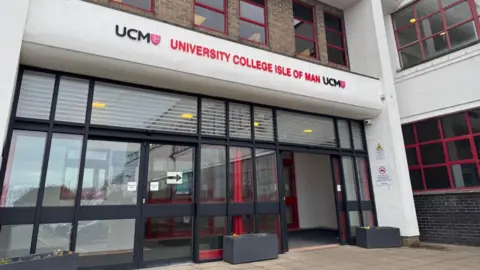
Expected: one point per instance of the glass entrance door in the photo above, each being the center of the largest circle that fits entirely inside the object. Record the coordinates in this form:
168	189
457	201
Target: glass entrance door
167	206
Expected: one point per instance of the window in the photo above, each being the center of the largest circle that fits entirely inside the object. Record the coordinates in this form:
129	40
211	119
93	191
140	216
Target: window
428	28
337	52
146	5
211	14
253	20
442	153
305	30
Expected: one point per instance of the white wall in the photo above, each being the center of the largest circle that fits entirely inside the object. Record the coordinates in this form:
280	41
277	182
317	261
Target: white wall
315	194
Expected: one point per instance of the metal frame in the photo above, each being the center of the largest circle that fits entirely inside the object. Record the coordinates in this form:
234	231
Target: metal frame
264	25
342	35
314	25
224	12
10	216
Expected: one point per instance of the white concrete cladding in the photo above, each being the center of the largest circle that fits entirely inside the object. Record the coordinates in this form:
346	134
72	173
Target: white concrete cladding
80	37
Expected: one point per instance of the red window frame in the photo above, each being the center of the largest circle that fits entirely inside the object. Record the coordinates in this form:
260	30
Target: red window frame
344	39
314	24
441	10
152	5
448	163
223	12
265	20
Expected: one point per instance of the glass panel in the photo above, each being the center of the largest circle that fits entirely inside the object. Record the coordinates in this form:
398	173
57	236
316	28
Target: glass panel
462	35
344	134
477	145
402	18
426	7
431	25
416	180
457	14
408	134
474	117
407	36
212	230
432	154
167	238
252	32
209	19
242	224
15	240
263	124
36	93
304	29
121	106
459	150
53	236
213	117
368	218
428	130
270	224
213	173
454	125
412	156
349	175
446	3
240	122
143	4
266	161
164	160
363	181
358	134
305	48
252	12
411	56
241	174
354	218
99	242
63	168
435	45
289	214
333	22
334	39
111	173
305	129
465	175
302	12
218	4
336	56
72	100
287	174
437	177
22	176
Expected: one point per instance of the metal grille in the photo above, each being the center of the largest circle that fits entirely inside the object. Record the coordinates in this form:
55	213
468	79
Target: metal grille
358	134
344	133
213	117
36	94
263	124
72	100
115	105
240	124
305	129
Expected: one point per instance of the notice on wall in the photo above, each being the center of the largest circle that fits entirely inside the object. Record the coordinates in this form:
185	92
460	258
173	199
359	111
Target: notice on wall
380	152
154	186
174	178
132	186
383	178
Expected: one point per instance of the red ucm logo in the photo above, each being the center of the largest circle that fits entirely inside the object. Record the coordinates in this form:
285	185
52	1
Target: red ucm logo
135	34
334	82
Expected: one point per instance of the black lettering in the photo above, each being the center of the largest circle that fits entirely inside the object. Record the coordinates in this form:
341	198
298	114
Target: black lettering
142	36
129	34
118	32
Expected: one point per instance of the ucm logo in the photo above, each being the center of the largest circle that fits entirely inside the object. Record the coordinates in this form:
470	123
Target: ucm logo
334	82
135	34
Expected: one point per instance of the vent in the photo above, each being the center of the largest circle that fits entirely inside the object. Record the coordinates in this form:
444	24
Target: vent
72	100
213	117
36	94
240	124
263	124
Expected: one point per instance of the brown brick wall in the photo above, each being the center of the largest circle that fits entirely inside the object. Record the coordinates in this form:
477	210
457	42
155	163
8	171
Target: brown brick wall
281	38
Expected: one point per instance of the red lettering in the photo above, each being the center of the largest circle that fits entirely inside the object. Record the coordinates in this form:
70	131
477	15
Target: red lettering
270	67
259	65
213	54
227	55
173	44
243	61
182	46
191	48
199	50
206	52
312	77
236	59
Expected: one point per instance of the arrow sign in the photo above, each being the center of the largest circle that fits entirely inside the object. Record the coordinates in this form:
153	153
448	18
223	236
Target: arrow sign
174	178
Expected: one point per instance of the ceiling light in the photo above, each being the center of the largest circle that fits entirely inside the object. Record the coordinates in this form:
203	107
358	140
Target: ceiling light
98	105
199	19
413	20
256	124
187	116
307	130
442	33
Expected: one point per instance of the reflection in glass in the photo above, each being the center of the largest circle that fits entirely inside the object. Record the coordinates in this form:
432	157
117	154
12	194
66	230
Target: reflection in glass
241	174
411	55
252	12
454	125
407	36
170	158
462	35
362	175
212	230
213	173
15	240
209	19
368	218
436	177
143	4
63	168
22	177
304	29
457	13
436	45
305	48
242	224
349	175
336	56
354	218
252	32
266	175
465	175
111	173
53	236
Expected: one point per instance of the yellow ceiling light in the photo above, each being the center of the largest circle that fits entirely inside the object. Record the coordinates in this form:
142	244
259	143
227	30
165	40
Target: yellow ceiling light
442	33
187	116
256	124
413	20
98	105
199	19
307	130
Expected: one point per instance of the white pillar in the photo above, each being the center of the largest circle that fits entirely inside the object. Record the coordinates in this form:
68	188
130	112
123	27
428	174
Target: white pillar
13	17
394	197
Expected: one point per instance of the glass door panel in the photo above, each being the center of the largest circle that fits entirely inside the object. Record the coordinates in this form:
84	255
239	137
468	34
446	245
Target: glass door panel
290	192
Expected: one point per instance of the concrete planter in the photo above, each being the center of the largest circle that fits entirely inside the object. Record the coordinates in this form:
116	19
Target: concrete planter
250	248
42	261
378	237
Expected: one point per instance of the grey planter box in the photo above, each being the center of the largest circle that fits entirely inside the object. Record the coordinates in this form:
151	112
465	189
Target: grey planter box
250	248
378	237
65	262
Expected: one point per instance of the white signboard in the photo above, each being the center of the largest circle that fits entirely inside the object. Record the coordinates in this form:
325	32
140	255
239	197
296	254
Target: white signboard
174	178
383	178
154	186
380	152
132	186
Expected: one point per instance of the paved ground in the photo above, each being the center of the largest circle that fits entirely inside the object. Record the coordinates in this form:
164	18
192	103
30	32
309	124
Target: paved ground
353	258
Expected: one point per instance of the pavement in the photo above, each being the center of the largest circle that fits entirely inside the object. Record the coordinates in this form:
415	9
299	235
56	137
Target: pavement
445	257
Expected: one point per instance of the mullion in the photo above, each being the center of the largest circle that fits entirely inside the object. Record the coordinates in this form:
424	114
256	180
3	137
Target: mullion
472	143
355	172
254	169
445	153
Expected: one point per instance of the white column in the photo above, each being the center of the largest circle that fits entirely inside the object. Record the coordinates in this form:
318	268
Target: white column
393	192
13	16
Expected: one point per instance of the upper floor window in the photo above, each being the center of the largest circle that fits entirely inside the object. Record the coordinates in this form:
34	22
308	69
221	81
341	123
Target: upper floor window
253	20
428	28
211	14
444	153
305	30
146	5
336	47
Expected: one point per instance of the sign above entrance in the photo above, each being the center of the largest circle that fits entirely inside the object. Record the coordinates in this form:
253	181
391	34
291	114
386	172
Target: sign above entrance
174	178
